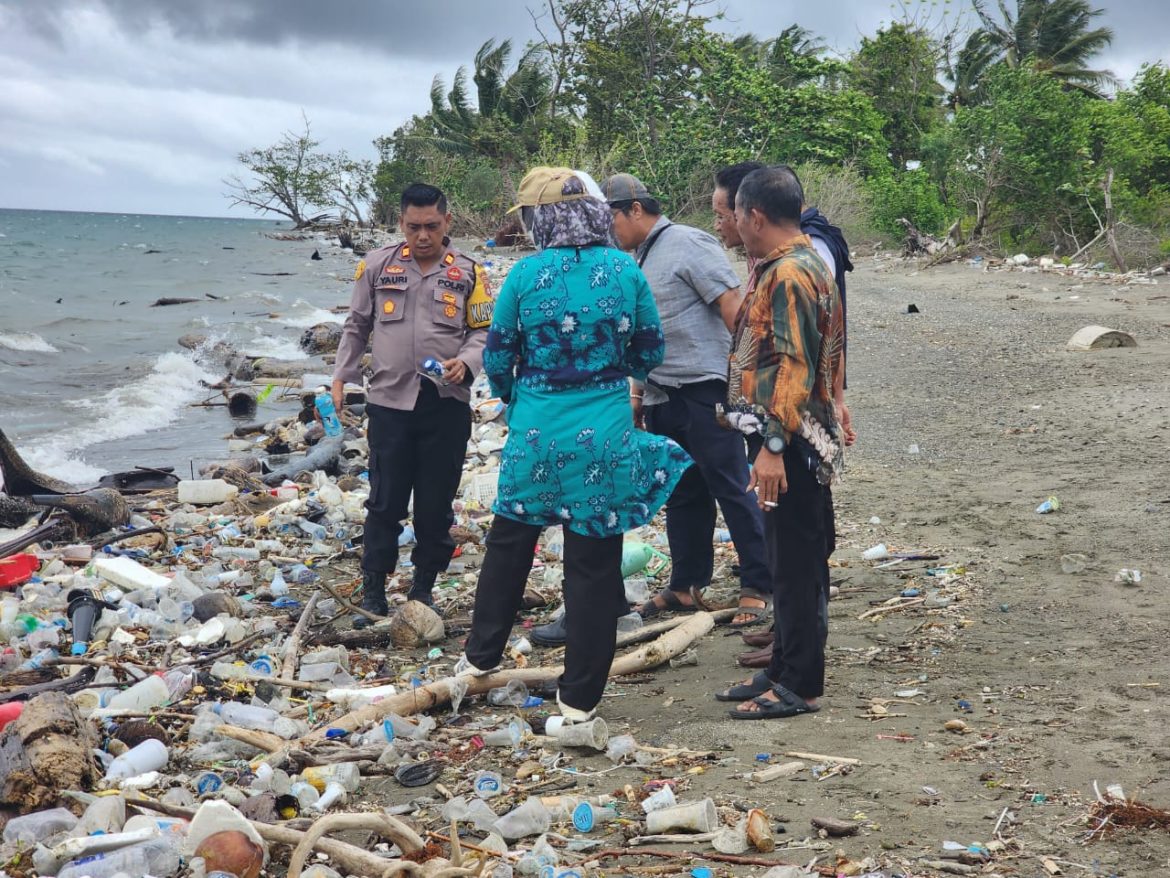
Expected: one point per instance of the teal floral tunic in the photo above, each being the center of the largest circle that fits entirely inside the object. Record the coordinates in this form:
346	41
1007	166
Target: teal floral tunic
570	326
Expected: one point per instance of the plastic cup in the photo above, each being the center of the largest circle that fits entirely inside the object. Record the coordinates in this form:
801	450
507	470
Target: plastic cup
488	784
876	553
690	817
594	733
530	818
663	798
587	816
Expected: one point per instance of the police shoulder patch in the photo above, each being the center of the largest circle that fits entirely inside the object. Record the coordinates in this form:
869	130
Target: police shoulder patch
360	270
480	303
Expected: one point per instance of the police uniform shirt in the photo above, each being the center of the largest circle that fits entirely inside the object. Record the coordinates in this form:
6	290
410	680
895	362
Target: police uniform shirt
411	315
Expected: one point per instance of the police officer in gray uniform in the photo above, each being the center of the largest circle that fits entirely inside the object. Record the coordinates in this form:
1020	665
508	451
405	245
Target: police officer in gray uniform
419	300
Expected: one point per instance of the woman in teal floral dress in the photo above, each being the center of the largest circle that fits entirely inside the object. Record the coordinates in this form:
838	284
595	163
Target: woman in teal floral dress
572	323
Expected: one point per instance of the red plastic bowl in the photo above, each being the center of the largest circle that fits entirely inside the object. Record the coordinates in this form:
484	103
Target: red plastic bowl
17	569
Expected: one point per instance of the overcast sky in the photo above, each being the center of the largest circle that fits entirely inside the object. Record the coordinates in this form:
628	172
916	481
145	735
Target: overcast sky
142	105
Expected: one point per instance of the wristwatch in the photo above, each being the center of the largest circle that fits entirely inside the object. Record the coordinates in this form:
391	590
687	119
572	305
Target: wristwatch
775	444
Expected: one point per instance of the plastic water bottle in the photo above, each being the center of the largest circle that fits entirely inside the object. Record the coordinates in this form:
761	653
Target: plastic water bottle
39	660
328	412
278	587
313	529
156	857
431	366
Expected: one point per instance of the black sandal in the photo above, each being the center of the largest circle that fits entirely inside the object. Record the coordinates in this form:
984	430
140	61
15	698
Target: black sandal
671	604
789	704
758	686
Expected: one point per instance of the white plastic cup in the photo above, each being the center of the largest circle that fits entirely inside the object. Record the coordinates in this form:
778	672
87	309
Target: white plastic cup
594	733
488	784
690	817
876	553
150	755
530	818
663	798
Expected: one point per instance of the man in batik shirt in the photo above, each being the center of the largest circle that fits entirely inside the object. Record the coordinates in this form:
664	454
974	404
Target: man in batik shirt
787	345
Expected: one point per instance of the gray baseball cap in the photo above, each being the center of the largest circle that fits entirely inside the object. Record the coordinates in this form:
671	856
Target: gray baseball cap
624	187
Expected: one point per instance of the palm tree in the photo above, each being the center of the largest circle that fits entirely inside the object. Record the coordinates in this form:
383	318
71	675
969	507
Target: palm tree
506	106
1055	37
792	59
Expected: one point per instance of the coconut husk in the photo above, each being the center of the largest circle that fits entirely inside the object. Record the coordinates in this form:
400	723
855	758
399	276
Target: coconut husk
134	732
416	624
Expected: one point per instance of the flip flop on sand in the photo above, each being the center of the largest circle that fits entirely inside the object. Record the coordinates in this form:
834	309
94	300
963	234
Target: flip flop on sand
757	685
786	704
756	614
666	601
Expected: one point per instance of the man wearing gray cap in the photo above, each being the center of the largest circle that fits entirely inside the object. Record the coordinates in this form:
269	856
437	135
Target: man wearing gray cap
698	296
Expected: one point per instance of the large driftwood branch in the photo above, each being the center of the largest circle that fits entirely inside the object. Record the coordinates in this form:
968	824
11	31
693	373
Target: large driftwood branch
389	827
292	646
662	650
349	859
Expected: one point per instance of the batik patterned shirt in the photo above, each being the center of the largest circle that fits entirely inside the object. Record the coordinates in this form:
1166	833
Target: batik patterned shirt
788	343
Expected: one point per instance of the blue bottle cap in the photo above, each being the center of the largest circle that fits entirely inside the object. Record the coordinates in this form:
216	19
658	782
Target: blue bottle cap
79	648
583	817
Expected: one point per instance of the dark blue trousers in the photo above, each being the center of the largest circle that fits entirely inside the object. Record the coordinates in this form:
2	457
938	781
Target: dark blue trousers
720	475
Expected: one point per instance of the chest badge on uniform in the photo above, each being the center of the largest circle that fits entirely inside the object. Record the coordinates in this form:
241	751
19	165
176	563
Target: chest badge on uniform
395	269
454	273
450	310
388	308
449	298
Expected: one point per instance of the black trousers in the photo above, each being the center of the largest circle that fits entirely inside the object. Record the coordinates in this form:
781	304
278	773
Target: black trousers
594	598
720	474
419	451
800	536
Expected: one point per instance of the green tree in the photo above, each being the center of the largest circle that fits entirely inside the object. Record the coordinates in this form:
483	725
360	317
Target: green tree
288	178
1055	37
898	69
350	185
796	57
635	65
505	121
1019	158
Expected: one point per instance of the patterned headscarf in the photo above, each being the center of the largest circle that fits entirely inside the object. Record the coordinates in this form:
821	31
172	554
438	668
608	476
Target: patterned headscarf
584	222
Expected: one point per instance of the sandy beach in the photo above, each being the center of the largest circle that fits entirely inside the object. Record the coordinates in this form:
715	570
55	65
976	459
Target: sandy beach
1059	679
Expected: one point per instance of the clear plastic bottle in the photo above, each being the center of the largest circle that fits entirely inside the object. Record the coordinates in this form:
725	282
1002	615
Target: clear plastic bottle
39	660
247	716
156	857
344	773
314	530
278	586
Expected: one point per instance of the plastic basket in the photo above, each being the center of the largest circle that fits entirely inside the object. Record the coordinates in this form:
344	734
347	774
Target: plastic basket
481	489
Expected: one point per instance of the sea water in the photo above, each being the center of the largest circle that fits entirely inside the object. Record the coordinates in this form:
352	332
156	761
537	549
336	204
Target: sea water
92	379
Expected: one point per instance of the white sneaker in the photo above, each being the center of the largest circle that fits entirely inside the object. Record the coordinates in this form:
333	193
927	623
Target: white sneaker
573	714
464	668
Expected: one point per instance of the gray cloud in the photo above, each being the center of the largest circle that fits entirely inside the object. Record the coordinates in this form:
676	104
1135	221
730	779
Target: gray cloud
132	105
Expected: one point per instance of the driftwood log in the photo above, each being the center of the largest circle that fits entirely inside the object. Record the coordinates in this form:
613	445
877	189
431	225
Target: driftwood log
45	750
660	651
323	457
348	858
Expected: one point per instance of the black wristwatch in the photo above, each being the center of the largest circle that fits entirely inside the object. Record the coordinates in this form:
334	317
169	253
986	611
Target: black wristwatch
775	444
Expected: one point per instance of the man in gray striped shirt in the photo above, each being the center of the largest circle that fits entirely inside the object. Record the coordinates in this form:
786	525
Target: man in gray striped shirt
698	296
